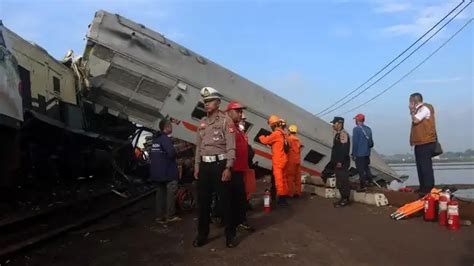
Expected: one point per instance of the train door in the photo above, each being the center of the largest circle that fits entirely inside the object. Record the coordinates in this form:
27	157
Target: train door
25	87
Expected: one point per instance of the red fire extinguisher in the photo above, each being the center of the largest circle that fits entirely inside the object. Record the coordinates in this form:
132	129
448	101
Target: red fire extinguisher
443	210
453	215
267	201
430	208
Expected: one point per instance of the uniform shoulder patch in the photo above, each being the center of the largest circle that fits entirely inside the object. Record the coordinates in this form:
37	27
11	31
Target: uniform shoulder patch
231	128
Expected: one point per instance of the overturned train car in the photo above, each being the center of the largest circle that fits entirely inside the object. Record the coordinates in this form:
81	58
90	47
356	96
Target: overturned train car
138	74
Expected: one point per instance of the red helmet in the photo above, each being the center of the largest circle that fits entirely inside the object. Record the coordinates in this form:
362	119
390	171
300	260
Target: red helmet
360	117
234	106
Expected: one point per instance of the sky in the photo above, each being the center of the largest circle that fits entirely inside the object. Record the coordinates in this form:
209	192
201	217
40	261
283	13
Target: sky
309	52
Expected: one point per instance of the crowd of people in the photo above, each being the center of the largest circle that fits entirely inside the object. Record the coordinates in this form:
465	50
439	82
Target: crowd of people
223	158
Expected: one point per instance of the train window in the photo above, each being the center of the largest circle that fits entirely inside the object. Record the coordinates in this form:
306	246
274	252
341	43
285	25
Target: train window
56	85
263	132
199	112
313	157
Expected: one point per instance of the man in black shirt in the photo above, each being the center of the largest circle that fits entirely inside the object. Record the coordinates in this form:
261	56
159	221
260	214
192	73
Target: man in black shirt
341	160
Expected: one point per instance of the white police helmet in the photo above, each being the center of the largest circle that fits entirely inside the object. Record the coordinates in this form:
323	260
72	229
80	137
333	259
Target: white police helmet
208	93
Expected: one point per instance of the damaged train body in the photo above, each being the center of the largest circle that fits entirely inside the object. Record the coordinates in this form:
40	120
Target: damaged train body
138	74
58	137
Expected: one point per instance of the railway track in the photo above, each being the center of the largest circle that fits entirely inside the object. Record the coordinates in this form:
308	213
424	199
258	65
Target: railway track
23	232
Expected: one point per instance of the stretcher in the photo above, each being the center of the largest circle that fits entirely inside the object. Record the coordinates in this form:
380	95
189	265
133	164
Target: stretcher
414	207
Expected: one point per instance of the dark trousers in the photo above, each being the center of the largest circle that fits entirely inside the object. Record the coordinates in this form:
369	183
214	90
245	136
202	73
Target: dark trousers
165	200
424	166
238	198
209	181
273	191
342	180
362	165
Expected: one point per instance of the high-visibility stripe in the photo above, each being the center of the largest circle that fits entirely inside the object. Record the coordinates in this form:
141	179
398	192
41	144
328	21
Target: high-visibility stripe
190	126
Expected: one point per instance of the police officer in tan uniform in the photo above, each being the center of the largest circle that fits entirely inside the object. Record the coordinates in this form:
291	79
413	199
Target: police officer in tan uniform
215	155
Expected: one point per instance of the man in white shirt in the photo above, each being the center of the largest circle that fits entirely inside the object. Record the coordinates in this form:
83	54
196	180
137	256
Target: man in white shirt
423	137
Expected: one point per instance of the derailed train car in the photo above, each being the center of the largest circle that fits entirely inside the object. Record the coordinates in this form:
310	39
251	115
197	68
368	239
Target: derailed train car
61	138
138	74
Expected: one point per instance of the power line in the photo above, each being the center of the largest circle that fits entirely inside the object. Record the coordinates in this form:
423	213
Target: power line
393	68
413	69
393	60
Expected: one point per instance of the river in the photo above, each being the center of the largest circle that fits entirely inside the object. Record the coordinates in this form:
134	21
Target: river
445	174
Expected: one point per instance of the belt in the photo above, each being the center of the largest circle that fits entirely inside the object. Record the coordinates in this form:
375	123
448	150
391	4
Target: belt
213	158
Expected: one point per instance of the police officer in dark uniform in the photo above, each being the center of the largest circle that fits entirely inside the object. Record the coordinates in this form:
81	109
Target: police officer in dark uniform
341	161
215	155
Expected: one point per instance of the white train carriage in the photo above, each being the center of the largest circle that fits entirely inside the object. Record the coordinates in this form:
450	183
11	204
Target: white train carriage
139	74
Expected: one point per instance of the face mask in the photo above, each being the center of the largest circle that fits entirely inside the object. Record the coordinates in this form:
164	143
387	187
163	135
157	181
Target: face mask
241	127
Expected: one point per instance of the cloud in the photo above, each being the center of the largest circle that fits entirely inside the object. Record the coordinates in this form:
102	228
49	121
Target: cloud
390	7
425	18
438	80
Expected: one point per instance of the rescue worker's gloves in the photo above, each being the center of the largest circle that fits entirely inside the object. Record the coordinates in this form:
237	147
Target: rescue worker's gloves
208	94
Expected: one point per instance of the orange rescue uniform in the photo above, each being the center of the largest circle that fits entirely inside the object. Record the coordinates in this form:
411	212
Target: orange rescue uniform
294	166
279	159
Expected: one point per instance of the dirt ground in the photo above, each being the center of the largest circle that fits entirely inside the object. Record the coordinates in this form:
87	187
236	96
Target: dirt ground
308	232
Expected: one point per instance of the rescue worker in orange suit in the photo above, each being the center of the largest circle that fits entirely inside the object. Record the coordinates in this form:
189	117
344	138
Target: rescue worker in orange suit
277	140
214	159
294	163
238	196
341	161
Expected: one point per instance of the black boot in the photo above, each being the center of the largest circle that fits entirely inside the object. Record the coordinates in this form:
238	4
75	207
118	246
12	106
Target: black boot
342	203
231	242
199	242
